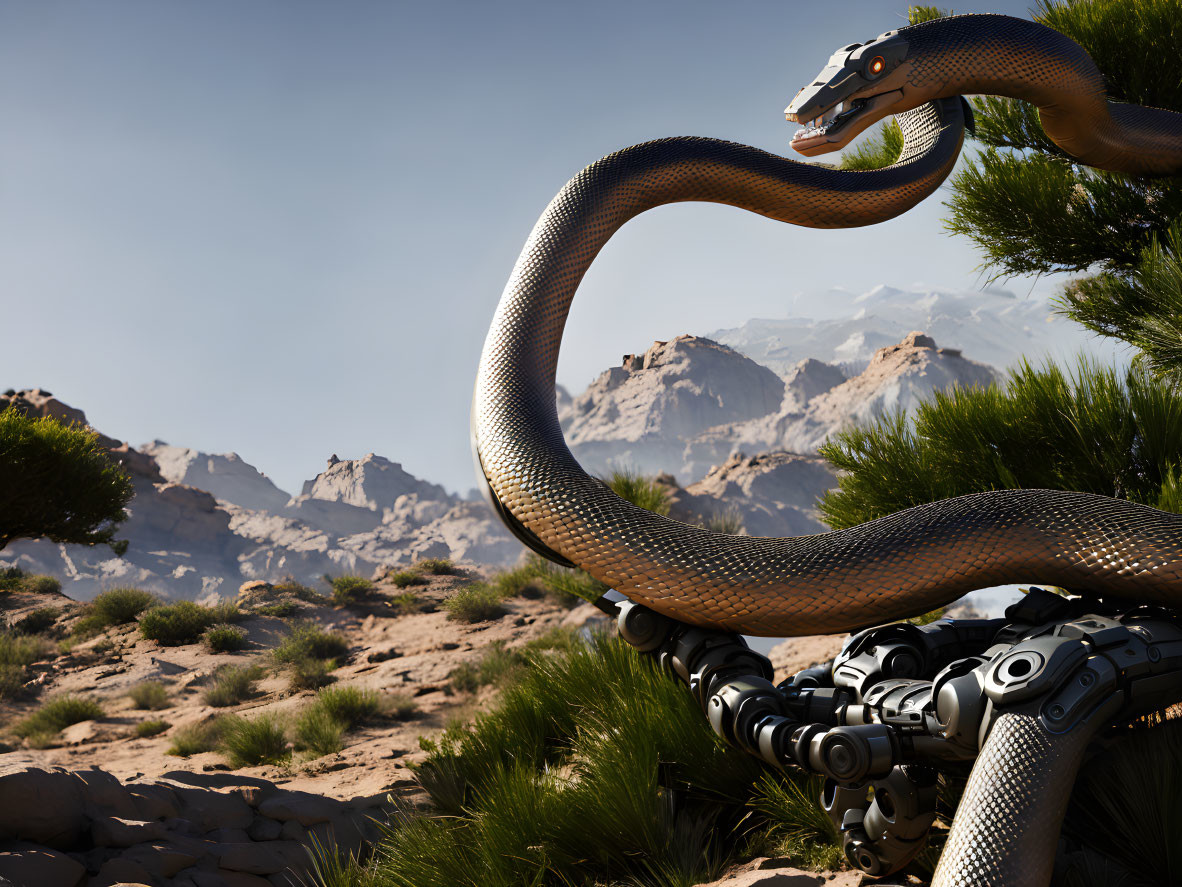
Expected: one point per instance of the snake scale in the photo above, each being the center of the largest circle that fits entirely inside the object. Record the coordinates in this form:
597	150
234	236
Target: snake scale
900	565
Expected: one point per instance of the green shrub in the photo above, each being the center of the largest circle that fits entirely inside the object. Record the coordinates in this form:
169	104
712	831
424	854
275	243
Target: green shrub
349	589
437	566
307	640
144	729
537	577
149	696
594	767
231	685
291	588
251	742
37	621
118	606
406	578
477	602
196	738
279	609
309	674
499	665
16	579
319	732
225	639
349	705
57	714
641	491
175	624
42	585
408	602
17	652
728	521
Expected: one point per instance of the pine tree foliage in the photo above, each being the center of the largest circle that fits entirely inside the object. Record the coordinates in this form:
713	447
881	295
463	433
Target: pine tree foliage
1093	431
1032	210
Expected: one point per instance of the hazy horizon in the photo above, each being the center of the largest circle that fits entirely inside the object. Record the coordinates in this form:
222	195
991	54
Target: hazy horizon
281	228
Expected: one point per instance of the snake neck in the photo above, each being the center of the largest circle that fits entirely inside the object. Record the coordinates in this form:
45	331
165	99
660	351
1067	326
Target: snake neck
1006	56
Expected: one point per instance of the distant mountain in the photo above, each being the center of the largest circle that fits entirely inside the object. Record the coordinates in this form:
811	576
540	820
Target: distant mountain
993	326
689	404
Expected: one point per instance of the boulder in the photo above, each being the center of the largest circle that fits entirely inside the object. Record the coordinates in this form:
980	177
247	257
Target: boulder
27	865
39	805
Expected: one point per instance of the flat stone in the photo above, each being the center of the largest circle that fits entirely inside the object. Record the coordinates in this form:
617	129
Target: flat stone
27	865
209	809
101	789
120	871
111	831
264	858
230	836
242	879
264	829
304	807
154	801
161	859
39	805
293	831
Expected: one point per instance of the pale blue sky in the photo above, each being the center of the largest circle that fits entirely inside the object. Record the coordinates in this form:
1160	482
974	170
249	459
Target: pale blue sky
281	228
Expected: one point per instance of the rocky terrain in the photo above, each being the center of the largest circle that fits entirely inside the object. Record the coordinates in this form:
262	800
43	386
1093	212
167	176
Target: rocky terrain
100	802
669	410
105	801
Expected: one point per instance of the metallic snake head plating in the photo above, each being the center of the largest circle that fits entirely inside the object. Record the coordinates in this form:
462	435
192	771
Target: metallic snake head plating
862	83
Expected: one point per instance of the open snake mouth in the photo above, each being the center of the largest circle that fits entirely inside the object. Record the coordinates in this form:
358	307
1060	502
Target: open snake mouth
828	131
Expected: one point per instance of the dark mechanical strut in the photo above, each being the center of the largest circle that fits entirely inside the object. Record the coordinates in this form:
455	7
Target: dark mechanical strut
901	702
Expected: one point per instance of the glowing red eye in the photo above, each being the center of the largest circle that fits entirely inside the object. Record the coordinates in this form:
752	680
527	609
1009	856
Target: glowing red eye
877	64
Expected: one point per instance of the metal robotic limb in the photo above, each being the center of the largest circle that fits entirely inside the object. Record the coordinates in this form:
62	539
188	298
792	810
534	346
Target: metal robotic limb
1019	698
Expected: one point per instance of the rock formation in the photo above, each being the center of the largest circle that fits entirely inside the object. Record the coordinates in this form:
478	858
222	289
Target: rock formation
639	414
225	475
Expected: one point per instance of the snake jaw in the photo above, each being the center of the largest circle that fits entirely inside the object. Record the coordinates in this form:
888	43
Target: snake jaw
862	83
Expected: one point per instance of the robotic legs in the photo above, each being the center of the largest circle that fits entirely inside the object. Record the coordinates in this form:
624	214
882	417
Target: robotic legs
1019	698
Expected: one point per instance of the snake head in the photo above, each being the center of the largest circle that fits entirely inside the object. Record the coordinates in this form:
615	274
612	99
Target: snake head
862	83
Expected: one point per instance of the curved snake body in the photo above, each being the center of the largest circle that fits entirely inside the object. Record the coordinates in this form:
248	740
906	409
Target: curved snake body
900	565
897	566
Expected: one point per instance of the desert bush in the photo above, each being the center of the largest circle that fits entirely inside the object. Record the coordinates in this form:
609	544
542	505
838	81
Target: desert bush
477	602
319	732
149	696
196	738
349	705
231	684
291	588
537	577
57	714
38	621
251	742
499	665
144	729
728	521
437	566
225	639
175	624
641	491
408	602
307	640
309	674
279	609
407	578
653	796
118	606
16	579
349	589
17	652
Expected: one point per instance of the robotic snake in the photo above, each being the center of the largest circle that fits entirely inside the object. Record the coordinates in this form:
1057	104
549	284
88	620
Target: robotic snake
695	583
